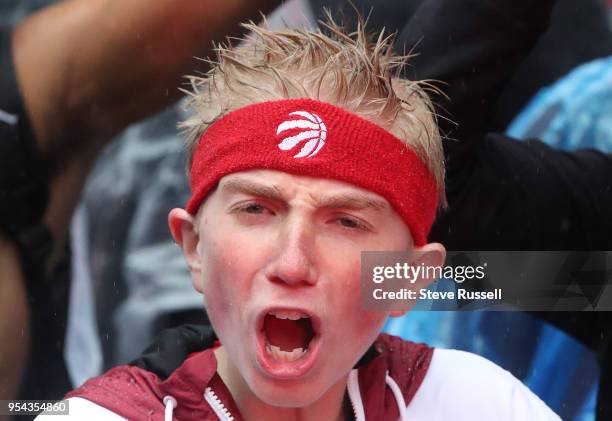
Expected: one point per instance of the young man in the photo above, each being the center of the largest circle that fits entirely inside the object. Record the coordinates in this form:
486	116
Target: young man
304	152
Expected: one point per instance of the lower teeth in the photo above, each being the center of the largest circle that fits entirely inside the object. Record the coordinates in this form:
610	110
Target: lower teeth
287	356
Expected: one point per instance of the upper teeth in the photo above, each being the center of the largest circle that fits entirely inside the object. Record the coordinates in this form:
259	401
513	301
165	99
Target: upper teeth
288	314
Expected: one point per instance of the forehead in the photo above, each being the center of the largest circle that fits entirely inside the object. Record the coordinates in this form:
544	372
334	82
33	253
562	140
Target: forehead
278	184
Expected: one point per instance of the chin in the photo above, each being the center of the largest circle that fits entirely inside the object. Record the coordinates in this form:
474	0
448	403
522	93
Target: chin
283	394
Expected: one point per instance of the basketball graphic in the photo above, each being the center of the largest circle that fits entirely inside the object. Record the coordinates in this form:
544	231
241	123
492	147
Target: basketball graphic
309	129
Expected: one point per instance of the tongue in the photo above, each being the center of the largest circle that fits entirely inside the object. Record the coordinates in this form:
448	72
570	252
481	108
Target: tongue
288	334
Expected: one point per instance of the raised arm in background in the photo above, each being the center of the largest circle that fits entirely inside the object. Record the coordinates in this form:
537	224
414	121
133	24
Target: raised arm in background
473	48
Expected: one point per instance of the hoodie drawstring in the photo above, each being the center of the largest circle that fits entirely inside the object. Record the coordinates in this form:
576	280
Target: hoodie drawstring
399	398
170	403
354	393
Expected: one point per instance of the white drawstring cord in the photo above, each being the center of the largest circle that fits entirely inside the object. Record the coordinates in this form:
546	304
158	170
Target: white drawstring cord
170	403
355	395
399	398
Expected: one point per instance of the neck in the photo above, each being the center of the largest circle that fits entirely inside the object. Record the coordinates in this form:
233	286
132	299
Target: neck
330	406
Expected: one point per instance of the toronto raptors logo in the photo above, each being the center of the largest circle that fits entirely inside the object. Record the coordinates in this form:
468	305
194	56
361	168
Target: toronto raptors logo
309	129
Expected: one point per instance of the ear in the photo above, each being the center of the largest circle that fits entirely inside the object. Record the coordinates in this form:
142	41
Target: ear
183	229
430	255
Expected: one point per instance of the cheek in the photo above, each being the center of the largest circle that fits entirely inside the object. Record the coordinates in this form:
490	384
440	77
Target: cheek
344	268
362	325
357	325
229	265
346	306
370	323
219	274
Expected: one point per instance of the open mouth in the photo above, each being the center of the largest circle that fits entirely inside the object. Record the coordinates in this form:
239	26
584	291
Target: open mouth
287	334
289	342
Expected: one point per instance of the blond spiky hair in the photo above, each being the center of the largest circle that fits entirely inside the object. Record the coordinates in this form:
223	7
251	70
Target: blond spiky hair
354	71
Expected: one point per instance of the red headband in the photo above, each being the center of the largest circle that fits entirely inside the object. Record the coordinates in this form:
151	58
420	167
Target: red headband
312	138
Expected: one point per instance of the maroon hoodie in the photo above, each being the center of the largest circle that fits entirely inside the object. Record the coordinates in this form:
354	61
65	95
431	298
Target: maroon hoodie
136	393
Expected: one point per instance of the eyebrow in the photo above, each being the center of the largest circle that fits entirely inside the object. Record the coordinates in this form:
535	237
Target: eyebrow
237	185
355	201
352	201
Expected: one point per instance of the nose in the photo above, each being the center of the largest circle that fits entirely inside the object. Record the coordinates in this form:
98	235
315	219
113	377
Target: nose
294	263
